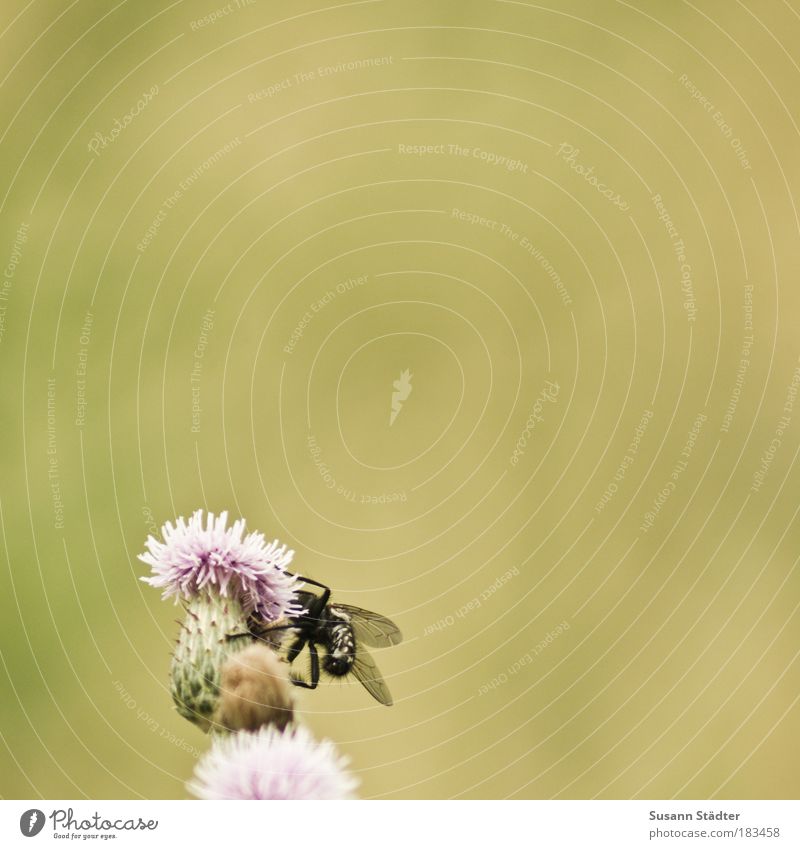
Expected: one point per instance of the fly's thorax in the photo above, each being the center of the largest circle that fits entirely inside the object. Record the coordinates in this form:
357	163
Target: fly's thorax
305	599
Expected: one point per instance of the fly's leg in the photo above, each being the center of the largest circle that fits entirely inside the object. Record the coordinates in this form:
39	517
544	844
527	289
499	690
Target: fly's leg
312	685
260	634
296	648
321	602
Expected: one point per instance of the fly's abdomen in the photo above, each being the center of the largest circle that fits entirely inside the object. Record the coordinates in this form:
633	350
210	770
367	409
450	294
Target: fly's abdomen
341	650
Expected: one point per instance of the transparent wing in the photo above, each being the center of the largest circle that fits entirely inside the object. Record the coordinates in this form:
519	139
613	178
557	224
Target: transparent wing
368	674
371	628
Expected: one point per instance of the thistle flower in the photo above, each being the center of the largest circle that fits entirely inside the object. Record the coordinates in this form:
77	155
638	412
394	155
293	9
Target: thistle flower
271	764
197	556
223	577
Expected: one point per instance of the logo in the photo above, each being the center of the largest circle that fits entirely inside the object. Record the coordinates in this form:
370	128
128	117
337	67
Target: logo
402	389
31	822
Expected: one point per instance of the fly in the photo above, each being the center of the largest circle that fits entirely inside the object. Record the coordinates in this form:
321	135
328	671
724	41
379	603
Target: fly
340	633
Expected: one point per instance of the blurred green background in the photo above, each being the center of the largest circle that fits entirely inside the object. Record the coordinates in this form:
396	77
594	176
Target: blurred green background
225	232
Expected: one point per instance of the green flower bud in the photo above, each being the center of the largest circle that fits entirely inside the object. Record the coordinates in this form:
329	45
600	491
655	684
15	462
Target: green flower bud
204	645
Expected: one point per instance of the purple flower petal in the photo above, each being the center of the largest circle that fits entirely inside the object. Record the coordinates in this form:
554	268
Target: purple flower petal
270	764
198	555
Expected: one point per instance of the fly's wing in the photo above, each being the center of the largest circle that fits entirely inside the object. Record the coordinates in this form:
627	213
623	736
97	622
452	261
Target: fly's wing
371	628
368	674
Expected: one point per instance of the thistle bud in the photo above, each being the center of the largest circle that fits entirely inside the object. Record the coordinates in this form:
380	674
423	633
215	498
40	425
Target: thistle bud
204	645
254	691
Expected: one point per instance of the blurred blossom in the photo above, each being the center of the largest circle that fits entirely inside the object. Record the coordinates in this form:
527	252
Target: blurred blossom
270	764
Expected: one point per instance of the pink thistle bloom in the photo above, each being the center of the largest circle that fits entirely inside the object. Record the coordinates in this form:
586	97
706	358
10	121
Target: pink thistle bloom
270	764
207	556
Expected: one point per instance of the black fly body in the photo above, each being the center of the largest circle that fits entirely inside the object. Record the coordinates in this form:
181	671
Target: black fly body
340	633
